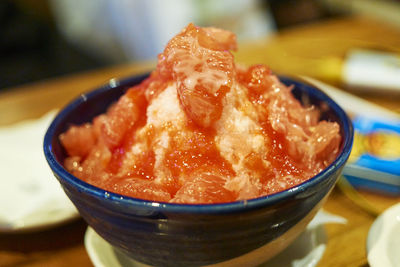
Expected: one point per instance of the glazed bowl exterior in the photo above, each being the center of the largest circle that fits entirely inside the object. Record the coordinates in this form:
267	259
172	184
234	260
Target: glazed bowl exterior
239	233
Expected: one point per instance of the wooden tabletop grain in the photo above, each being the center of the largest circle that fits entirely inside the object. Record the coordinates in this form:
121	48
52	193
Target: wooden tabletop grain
315	50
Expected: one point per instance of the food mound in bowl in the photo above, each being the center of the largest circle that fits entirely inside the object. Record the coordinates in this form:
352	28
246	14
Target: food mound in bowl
201	129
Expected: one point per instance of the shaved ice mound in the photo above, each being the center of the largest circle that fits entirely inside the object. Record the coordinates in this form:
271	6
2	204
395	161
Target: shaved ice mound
201	129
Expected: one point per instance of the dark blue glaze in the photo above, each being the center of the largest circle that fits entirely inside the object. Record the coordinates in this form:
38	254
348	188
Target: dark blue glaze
189	235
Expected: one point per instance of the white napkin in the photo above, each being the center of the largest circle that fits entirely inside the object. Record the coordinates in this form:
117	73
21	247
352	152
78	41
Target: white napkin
30	194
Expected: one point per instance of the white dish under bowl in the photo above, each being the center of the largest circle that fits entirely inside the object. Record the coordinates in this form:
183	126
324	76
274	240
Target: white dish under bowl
305	251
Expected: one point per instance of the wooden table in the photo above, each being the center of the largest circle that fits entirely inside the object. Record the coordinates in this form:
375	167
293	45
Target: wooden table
295	51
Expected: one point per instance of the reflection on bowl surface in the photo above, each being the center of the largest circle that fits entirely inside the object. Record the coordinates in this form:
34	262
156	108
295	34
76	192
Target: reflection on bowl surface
188	235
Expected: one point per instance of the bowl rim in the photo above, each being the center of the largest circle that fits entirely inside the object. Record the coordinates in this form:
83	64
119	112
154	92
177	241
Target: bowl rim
219	208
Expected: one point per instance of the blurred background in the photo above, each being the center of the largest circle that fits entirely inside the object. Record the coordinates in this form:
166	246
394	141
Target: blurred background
48	38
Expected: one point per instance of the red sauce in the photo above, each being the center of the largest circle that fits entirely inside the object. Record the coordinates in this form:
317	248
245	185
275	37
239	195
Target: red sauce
201	154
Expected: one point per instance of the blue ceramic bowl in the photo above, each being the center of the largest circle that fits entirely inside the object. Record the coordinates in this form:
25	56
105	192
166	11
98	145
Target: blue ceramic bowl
238	233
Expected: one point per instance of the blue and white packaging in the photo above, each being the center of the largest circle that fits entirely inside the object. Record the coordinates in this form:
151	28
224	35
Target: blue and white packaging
374	163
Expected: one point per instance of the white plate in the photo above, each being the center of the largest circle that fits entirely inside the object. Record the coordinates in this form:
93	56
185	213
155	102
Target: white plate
45	217
31	198
305	251
383	243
